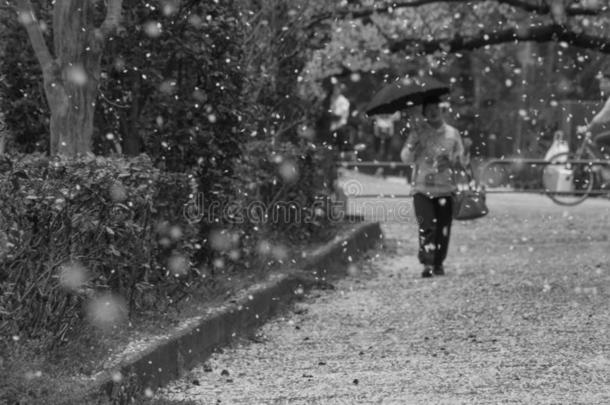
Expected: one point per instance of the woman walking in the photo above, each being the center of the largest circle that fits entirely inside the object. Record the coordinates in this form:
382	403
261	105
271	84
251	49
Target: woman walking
434	147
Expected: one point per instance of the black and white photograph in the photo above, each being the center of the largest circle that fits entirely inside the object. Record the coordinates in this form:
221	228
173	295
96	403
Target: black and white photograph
304	202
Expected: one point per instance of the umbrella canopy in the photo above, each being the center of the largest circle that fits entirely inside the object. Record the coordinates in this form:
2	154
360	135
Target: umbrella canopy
402	94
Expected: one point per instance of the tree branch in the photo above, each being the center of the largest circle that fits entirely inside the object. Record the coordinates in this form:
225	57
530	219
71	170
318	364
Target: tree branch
522	4
30	22
541	8
541	33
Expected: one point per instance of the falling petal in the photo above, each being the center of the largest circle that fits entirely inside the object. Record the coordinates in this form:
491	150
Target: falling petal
73	276
178	264
118	193
152	29
289	171
279	252
264	248
107	310
76	75
175	232
26	17
221	240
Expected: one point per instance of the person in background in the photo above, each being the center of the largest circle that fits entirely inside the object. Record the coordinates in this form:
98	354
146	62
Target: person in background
384	131
599	125
603	116
339	109
434	147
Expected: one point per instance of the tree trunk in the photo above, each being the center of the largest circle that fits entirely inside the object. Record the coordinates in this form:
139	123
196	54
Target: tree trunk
477	82
72	119
132	144
71	77
78	57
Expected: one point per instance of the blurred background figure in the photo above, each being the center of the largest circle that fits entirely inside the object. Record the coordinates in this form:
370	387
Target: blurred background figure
600	124
384	131
339	109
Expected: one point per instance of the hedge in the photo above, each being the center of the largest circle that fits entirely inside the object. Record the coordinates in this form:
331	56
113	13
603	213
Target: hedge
97	230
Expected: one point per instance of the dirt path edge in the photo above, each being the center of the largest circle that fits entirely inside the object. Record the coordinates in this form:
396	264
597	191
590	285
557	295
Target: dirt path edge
189	346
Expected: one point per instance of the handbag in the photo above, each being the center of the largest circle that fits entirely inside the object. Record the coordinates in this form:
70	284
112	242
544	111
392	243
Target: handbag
469	199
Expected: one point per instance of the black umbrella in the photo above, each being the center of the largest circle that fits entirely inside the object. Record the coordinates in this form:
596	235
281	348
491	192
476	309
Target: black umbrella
402	94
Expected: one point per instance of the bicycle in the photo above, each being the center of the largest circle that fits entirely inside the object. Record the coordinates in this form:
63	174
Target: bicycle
567	178
586	168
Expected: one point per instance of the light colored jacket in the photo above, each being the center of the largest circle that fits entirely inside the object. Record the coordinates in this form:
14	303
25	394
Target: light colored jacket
603	116
423	148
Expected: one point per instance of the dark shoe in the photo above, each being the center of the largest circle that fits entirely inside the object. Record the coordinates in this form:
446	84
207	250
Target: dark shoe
438	270
427	273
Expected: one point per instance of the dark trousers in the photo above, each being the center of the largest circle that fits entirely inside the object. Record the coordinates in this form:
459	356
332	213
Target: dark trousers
434	216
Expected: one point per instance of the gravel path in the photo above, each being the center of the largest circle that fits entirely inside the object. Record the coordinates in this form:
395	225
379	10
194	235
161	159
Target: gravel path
522	317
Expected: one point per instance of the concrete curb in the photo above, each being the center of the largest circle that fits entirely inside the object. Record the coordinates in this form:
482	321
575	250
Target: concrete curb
167	360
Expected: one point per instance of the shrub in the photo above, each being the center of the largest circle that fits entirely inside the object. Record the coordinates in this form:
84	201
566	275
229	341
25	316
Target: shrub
275	197
102	230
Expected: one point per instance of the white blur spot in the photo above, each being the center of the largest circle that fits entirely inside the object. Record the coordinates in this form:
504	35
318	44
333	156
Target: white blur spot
26	18
168	86
234	254
106	310
152	29
264	248
175	232
30	375
178	264
76	75
73	276
279	252
118	192
221	240
169	8
289	171
196	21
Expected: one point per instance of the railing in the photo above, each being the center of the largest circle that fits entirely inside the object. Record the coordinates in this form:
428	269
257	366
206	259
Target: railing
516	163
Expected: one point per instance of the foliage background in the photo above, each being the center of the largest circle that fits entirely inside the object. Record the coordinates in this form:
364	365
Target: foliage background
209	91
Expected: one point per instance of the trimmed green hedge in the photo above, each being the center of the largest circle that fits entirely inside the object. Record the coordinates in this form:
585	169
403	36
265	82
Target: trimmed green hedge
81	232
